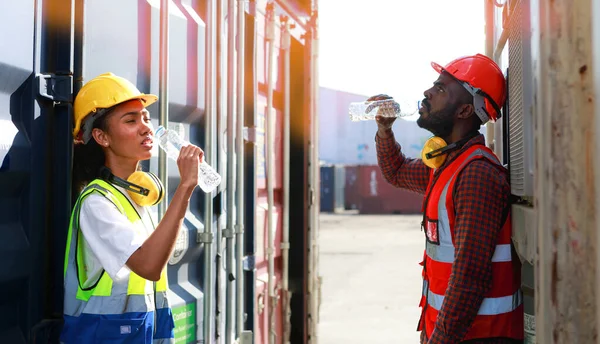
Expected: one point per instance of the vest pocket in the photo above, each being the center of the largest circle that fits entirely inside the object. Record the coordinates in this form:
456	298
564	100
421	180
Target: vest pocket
165	325
125	329
432	231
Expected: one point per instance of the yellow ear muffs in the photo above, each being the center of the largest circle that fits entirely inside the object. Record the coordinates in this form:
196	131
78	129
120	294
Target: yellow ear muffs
433	144
149	181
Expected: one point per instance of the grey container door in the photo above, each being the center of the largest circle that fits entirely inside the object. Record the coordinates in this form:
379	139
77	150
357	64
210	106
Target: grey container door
35	152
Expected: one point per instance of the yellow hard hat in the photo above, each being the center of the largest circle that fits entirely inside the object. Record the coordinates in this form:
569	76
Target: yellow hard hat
102	92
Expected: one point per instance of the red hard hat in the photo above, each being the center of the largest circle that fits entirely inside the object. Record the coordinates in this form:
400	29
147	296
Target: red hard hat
485	79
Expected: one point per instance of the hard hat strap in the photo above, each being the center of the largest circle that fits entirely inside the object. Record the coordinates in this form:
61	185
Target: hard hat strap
88	123
479	97
479	104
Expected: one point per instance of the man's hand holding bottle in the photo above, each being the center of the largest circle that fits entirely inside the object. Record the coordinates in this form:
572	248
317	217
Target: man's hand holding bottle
384	123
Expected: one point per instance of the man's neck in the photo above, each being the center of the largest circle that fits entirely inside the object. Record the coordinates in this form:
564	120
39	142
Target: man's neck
457	136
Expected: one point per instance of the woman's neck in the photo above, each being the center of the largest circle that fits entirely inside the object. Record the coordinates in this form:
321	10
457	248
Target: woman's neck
121	168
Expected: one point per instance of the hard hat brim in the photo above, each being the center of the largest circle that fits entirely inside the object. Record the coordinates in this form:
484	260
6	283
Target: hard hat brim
438	68
147	99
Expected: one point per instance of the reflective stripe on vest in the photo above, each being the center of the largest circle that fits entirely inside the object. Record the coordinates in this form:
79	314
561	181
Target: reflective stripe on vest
445	254
129	302
489	306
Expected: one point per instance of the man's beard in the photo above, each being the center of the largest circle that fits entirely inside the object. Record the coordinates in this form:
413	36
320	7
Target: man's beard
439	123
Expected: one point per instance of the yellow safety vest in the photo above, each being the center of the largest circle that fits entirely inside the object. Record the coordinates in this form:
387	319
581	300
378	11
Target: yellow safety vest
132	310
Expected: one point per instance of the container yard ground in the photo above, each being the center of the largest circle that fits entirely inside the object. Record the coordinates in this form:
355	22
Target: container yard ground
371	278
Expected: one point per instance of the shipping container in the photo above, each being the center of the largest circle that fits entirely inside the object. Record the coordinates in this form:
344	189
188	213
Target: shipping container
339	188
244	259
327	189
514	135
285	90
552	78
333	183
351	187
377	196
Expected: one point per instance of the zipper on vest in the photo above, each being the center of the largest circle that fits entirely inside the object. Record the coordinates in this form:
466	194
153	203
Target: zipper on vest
424	311
426	200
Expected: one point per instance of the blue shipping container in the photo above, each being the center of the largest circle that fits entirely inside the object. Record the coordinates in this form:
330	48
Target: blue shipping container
327	189
339	187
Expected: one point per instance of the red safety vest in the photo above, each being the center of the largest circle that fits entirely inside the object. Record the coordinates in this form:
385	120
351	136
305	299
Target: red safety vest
501	312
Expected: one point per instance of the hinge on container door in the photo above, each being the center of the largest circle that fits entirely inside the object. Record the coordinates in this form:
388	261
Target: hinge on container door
311	197
250	134
227	233
239	229
245	338
58	88
204	237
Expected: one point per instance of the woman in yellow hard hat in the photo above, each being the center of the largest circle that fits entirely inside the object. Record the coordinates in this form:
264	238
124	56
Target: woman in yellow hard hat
114	252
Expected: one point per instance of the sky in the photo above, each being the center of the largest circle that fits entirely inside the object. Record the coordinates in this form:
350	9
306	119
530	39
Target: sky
387	45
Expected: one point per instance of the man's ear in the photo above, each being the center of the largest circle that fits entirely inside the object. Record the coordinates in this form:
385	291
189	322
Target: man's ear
100	137
465	111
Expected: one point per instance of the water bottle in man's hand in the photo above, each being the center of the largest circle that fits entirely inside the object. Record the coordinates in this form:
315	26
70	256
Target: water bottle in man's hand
171	143
364	111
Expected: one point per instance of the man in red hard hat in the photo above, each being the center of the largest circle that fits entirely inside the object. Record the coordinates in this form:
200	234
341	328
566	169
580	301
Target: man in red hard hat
471	274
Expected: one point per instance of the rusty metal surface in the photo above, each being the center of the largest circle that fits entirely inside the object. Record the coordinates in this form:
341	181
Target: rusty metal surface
565	175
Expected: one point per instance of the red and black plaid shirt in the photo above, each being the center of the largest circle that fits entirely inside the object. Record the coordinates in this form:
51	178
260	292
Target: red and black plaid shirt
481	198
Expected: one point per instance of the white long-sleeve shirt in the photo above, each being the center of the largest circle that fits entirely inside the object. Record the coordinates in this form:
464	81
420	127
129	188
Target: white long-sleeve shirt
110	238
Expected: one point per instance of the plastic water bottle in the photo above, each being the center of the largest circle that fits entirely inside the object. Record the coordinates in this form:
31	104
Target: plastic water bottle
171	143
364	111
